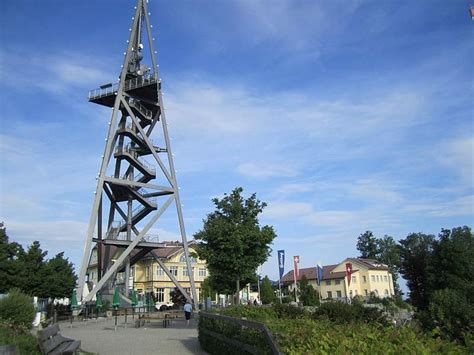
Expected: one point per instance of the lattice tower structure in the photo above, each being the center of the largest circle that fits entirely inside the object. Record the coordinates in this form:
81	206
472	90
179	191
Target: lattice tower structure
139	184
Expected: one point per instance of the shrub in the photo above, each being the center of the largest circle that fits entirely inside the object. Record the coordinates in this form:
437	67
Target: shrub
289	312
17	309
450	312
25	341
340	312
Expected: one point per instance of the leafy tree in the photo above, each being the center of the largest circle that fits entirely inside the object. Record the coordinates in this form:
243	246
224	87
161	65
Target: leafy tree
389	253
32	263
415	252
267	294
177	297
58	278
17	309
232	241
9	263
452	259
308	294
367	245
207	289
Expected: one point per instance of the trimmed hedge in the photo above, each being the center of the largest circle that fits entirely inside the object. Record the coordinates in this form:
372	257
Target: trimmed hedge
17	309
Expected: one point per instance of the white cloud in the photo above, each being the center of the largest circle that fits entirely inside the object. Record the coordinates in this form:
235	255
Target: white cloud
265	170
457	154
287	209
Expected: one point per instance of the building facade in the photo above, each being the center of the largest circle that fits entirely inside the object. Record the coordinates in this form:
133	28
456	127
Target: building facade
368	277
147	276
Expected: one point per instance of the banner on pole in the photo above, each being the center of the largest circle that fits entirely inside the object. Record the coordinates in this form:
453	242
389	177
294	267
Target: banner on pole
348	273
319	274
281	262
296	273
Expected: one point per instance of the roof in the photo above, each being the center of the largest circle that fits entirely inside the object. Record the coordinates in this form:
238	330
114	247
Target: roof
310	272
371	264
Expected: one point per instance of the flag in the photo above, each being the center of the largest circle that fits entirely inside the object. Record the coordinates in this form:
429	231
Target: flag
471	12
319	274
348	273
281	262
296	272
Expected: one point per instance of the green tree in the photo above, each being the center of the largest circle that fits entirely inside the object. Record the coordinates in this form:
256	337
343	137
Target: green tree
58	278
452	261
267	294
415	253
9	263
207	289
32	265
177	297
389	254
308	294
367	245
232	241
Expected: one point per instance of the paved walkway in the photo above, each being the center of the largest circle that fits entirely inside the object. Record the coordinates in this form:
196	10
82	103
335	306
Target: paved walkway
101	338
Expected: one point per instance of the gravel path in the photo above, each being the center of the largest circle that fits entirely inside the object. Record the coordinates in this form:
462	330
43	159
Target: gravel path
101	338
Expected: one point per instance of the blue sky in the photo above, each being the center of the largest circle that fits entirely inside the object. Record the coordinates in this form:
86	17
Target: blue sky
344	116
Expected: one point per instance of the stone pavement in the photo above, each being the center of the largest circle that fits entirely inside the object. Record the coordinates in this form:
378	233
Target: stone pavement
101	338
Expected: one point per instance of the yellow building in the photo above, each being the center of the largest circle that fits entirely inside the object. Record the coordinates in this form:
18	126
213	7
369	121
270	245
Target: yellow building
147	276
368	277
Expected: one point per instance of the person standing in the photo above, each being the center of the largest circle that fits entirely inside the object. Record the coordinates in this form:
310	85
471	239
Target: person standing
188	309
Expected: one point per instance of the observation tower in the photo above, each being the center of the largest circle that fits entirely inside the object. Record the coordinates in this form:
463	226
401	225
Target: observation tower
136	183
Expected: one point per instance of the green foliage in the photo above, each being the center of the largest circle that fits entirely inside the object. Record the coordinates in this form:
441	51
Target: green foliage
367	245
308	294
30	272
232	241
25	341
177	297
340	312
307	336
451	313
17	309
298	332
207	289
267	294
415	252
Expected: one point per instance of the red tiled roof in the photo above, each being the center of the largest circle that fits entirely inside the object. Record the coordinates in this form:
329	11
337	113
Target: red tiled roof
310	273
372	264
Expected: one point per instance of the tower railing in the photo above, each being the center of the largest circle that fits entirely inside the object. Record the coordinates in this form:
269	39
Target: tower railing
130	84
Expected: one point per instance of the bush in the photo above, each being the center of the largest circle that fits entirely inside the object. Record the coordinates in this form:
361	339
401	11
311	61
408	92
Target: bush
450	312
17	309
289	312
25	341
340	312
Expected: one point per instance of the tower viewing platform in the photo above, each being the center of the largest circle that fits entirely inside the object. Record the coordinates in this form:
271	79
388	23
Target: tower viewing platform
143	86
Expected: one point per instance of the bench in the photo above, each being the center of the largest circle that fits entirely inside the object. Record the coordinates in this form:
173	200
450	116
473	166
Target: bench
52	342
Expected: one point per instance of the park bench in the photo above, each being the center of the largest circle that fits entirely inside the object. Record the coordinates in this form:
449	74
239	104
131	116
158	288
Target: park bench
52	342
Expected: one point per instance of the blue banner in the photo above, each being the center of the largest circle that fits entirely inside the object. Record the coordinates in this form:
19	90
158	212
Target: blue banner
281	262
319	274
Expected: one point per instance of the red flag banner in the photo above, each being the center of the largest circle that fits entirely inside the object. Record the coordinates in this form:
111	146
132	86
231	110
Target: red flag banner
471	12
296	272
348	273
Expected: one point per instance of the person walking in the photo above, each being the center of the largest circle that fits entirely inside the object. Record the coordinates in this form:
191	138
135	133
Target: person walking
188	309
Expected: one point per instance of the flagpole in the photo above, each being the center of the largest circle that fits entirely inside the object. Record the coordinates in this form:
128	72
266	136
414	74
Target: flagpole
279	289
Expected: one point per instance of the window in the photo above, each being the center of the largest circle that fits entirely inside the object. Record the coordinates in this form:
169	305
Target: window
185	271
385	278
148	274
160	271
376	292
160	294
366	292
174	270
329	294
338	282
339	294
192	259
355	291
92	275
350	293
354	279
378	278
364	278
202	272
373	278
328	282
386	292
